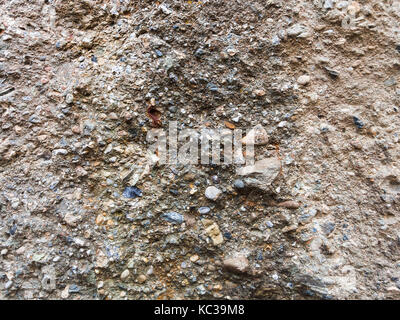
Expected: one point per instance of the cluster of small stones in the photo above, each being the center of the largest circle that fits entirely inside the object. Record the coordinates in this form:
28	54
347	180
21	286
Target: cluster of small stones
86	212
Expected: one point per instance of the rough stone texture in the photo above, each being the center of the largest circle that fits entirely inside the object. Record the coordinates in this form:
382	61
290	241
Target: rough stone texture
256	136
238	263
261	174
212	193
213	231
77	79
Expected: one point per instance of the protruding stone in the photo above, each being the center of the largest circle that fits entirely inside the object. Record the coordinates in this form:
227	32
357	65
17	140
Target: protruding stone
65	293
213	231
257	135
69	98
296	30
290	204
81	172
268	166
204	210
353	8
173	217
237	263
71	219
142	278
259	92
304	80
125	274
212	193
238	184
261	174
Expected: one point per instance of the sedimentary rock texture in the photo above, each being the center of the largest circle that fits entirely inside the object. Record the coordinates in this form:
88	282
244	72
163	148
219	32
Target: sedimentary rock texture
87	211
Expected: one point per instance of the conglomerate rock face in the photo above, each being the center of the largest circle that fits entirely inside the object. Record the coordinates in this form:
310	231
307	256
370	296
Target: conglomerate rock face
88	212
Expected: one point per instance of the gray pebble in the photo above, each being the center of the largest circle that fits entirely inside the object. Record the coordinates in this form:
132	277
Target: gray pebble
204	210
74	288
212	193
173	217
238	184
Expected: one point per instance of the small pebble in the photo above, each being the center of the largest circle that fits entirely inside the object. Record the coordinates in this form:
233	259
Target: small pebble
199	52
304	80
132	192
227	235
204	210
8	285
73	288
215	179
237	263
173	217
289	204
69	98
212	193
238	184
158	53
142	278
125	274
358	123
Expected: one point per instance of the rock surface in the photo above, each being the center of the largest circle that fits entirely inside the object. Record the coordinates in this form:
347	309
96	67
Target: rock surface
261	174
83	199
212	193
256	136
238	263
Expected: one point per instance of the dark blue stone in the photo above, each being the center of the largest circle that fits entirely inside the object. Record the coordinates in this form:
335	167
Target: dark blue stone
158	53
132	192
13	229
358	123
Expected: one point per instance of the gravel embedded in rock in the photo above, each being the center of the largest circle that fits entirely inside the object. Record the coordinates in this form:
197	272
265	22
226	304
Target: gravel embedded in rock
358	123
296	30
142	278
8	285
78	83
132	192
303	80
212	193
256	136
213	231
237	263
262	174
173	217
69	98
73	288
125	274
238	184
204	210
